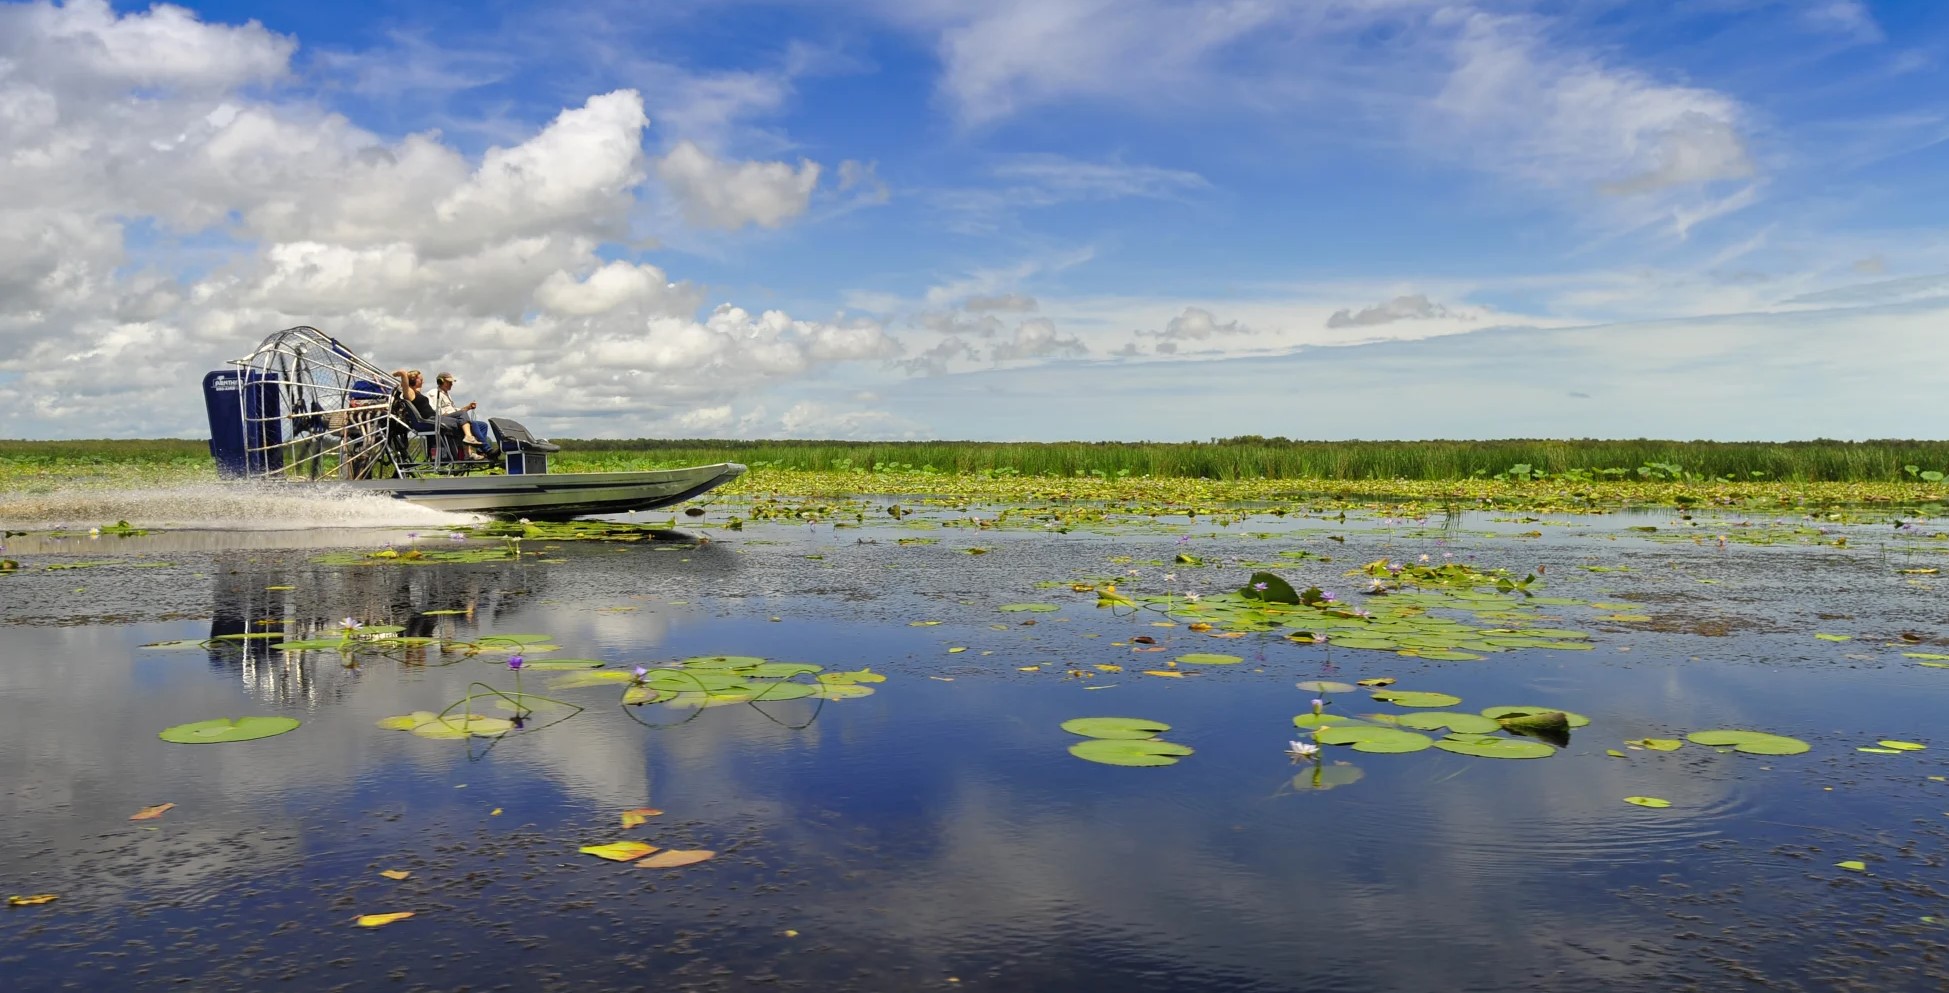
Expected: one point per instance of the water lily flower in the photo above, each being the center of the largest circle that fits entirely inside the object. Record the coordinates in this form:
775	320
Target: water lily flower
1259	586
456	536
515	662
1318	706
412	536
523	522
1326	596
1191	598
351	624
1301	750
639	672
1170	577
1424	557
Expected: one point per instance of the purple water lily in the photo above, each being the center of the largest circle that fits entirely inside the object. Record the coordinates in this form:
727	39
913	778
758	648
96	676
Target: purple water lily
639	672
1259	586
515	662
1318	706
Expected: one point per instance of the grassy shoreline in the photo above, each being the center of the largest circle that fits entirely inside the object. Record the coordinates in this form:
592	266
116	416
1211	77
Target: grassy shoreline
40	467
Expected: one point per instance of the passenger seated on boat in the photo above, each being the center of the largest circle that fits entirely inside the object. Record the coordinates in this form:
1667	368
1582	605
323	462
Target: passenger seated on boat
474	432
413	411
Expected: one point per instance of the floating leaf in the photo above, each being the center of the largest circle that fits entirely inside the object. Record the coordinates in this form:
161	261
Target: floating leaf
1328	775
1443	655
463	726
1880	751
1377	681
314	644
1129	752
1573	719
1367	738
1751	742
1657	744
1834	637
1209	658
1902	746
671	858
1416	698
1322	720
637	815
1324	686
1648	801
225	729
1853	865
1266	587
34	900
1115	728
619	851
1030	608
721	661
1614	753
545	665
1163	672
1496	748
151	813
381	920
1452	720
394	873
958	649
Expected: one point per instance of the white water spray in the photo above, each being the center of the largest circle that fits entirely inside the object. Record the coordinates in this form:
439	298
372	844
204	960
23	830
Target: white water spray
219	507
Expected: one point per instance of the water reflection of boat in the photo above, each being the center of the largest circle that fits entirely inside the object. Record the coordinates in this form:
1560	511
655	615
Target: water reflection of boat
303	407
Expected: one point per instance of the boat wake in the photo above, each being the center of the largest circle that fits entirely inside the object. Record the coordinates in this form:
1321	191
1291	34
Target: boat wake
218	506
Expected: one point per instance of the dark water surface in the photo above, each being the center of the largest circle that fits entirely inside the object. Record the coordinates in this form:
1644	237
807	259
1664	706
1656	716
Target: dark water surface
937	834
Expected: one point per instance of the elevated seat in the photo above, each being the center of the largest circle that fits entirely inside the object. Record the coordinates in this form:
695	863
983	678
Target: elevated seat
522	452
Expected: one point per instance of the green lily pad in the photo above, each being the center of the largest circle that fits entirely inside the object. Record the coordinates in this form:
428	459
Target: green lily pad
1364	644
781	670
1852	865
1117	728
1902	746
1328	775
1444	655
1324	686
645	694
1751	742
545	665
1129	752
1209	658
1416	698
1030	608
225	729
722	661
582	679
512	639
849	678
1657	744
1452	720
1833	637
1323	720
1496	748
1367	738
1575	720
841	691
1648	801
455	726
316	644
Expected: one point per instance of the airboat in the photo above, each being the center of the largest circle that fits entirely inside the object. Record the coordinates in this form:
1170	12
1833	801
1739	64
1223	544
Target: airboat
303	408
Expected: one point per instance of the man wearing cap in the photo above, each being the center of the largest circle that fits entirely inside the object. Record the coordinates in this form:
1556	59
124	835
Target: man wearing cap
474	432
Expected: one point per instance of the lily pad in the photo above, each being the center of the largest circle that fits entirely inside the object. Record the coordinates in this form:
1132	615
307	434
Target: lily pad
1657	744
722	661
1496	748
1117	728
314	644
1902	746
1751	742
1129	752
1452	720
1209	658
1323	720
225	729
1575	720
1367	738
544	665
1324	686
1328	775
1648	801
781	670
1416	698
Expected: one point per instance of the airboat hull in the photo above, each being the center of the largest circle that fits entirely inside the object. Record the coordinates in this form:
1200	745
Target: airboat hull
556	496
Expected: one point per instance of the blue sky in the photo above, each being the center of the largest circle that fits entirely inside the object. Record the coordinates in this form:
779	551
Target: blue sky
946	218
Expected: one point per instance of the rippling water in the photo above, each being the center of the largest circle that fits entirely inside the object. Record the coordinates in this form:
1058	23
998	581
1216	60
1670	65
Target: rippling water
937	835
